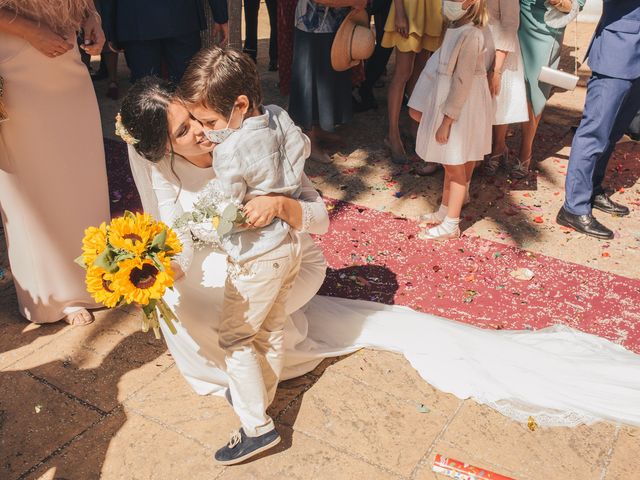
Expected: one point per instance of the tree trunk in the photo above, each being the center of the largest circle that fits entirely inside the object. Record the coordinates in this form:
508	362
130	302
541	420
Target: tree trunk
235	24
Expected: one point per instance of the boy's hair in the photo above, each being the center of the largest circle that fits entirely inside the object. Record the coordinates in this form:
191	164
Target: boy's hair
216	77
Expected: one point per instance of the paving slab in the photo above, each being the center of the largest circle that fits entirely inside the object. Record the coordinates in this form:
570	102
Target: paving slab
625	458
300	457
170	401
100	366
480	436
370	423
35	420
128	446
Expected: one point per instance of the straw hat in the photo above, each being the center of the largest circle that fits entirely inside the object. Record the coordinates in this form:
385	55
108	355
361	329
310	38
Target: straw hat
354	41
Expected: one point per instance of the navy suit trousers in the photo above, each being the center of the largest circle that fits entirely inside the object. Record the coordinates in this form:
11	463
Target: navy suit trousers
609	109
145	57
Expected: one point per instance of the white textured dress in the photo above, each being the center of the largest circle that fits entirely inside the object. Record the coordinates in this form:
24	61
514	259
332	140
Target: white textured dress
502	34
560	375
454	82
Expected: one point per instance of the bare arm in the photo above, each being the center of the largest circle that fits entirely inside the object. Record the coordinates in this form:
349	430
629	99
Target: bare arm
40	36
305	214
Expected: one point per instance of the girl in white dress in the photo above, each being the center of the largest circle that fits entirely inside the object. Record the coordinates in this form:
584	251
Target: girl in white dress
454	107
506	77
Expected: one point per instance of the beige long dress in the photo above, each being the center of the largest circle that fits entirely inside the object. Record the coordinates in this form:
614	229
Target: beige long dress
53	181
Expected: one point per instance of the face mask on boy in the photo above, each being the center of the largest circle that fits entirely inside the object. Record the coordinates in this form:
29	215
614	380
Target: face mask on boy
219	136
453	10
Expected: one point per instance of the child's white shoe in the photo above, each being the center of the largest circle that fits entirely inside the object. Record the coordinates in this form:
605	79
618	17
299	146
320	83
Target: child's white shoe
449	228
436	234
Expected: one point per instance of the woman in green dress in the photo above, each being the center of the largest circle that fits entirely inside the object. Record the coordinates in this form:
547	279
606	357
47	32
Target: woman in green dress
540	45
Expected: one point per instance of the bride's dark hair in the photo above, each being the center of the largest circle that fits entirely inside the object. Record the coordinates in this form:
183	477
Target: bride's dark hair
144	115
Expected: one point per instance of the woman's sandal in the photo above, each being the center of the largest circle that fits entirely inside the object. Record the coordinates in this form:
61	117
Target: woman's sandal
320	157
493	163
520	169
426	169
79	317
397	158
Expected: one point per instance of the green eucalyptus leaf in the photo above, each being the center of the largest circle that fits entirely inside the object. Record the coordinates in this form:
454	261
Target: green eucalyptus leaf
224	227
229	213
106	261
159	241
80	261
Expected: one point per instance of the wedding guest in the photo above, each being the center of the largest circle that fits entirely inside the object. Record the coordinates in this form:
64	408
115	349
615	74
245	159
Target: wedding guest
413	28
155	31
453	104
540	44
376	65
109	55
613	99
320	96
251	10
506	78
53	181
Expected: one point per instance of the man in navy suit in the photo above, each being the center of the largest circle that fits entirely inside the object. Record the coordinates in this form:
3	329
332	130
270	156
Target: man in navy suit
613	98
153	31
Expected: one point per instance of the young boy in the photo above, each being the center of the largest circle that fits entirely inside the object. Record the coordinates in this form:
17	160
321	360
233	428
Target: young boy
259	151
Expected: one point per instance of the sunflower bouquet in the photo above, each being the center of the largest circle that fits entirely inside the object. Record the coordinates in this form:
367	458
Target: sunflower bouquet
129	261
212	217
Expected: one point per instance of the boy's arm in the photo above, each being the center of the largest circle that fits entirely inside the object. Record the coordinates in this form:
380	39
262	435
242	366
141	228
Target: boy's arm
230	173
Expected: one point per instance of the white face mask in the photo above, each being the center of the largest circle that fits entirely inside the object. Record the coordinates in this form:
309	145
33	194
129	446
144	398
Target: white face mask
453	10
219	136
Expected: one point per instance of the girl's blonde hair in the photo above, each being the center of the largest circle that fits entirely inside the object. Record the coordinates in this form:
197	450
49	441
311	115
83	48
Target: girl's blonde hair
478	13
62	16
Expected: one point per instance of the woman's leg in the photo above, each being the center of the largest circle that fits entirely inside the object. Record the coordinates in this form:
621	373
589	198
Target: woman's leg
529	129
317	152
401	75
111	63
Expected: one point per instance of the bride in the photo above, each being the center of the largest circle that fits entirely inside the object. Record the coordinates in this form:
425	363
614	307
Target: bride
561	376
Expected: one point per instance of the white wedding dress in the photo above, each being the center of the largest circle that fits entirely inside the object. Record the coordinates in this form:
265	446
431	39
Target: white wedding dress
561	376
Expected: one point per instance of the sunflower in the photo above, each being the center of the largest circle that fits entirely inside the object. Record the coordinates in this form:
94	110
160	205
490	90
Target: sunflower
94	243
131	233
171	241
100	286
140	281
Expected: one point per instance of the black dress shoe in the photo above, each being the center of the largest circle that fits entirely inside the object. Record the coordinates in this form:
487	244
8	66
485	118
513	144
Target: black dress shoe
586	224
603	203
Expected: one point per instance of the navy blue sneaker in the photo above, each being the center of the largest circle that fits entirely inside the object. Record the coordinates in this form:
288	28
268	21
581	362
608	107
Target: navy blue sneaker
241	447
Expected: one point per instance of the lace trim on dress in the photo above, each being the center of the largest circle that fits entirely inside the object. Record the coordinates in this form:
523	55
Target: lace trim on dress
307	216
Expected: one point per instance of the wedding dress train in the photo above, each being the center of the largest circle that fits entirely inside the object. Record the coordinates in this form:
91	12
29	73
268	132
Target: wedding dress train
561	376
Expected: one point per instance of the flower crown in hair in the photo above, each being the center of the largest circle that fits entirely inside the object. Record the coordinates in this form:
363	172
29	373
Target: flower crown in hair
123	133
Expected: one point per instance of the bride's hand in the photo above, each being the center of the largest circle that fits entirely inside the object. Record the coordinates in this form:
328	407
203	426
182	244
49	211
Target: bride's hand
178	273
260	211
51	44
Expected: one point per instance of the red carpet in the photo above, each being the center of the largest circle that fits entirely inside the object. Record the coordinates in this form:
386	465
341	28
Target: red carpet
375	256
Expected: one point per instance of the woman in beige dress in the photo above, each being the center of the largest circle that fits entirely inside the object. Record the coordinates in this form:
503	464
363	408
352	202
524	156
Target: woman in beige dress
53	181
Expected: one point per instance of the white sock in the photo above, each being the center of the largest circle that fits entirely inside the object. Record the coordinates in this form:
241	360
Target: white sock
442	211
449	225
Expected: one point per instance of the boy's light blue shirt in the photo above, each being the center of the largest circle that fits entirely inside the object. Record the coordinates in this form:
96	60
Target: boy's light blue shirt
266	155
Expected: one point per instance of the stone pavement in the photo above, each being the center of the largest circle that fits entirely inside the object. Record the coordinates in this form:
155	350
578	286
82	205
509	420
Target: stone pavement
107	401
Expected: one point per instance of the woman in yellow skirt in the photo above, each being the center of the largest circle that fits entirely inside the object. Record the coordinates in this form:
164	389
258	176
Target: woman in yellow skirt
414	28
